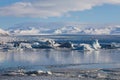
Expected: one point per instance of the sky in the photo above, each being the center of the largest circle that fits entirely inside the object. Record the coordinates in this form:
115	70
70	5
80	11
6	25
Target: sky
81	11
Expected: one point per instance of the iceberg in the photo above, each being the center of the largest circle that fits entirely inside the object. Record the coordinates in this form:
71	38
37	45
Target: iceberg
96	45
3	32
88	47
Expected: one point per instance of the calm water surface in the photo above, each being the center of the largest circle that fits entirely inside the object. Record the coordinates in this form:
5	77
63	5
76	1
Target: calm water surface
42	59
47	59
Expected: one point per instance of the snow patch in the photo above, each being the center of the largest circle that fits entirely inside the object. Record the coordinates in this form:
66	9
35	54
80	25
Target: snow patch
32	31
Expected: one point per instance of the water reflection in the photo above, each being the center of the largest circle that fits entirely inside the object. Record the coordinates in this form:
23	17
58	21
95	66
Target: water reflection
57	57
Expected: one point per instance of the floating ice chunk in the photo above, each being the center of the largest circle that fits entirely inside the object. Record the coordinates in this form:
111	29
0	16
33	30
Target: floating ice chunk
35	43
115	45
44	72
66	45
40	71
86	47
16	44
45	43
33	75
96	45
49	72
15	73
102	75
25	45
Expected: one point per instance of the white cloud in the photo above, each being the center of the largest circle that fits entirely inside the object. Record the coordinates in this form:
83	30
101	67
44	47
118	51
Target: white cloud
50	8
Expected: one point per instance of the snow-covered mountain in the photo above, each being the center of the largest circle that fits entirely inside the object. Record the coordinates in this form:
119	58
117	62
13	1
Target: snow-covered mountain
64	28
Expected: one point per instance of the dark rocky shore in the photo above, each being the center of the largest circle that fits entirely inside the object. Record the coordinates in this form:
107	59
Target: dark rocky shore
64	74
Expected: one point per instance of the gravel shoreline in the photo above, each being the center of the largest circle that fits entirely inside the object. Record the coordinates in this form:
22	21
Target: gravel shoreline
65	74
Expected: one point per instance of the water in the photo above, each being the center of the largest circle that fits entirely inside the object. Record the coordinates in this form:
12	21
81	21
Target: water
50	58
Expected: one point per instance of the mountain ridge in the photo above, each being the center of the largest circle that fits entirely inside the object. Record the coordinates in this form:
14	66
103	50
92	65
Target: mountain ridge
64	28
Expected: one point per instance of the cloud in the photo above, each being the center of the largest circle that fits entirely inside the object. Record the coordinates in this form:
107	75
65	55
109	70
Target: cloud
50	8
